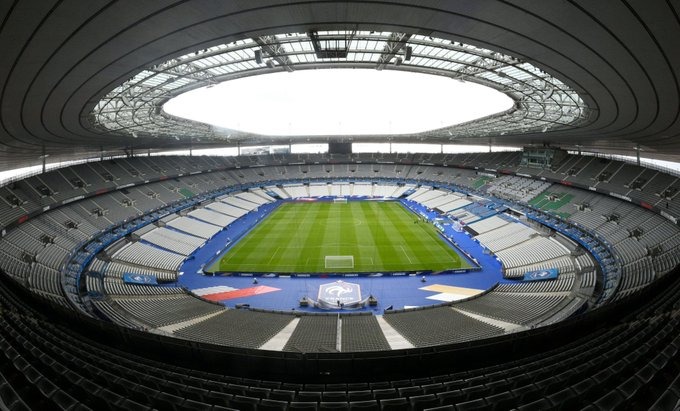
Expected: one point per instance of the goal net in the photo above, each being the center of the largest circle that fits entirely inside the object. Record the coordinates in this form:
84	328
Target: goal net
339	261
340	200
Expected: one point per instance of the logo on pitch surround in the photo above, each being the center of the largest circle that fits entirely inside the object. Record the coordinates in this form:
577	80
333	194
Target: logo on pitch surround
339	292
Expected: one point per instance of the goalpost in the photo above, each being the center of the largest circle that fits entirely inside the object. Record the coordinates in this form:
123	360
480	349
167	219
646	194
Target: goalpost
339	261
340	200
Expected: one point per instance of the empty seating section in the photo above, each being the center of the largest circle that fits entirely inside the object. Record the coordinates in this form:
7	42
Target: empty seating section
634	233
563	283
571	376
118	269
241	203
261	193
314	333
564	265
226	209
531	251
159	311
145	255
634	276
341	189
239	328
296	191
443	201
506	236
428	198
519	308
282	194
212	217
115	286
362	333
362	190
111	311
45	279
144	230
439	326
173	240
422	190
195	227
319	190
516	188
12	262
252	197
471	212
390	191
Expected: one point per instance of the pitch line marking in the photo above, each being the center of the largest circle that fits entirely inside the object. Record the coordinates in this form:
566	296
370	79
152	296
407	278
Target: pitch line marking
404	251
274	254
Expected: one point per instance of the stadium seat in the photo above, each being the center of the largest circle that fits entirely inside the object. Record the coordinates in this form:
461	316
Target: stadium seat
282	395
217	397
244	403
480	404
537	405
432	388
395	404
367	405
564	399
302	406
502	400
333	405
669	400
334	396
385	393
63	401
611	401
309	396
272	405
166	401
409	391
420	402
450	397
361	395
442	408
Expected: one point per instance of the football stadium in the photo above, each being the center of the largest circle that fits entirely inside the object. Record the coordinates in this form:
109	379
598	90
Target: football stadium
334	205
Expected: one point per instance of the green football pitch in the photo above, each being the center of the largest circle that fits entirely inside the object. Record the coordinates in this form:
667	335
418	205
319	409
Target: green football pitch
357	236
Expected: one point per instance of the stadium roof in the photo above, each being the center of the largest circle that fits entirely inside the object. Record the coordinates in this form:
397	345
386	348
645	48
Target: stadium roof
83	77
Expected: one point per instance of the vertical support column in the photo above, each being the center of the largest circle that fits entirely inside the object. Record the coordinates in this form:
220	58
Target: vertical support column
637	152
44	159
238	147
442	149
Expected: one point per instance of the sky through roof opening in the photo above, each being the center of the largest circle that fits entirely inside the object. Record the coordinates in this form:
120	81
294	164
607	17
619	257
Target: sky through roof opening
339	102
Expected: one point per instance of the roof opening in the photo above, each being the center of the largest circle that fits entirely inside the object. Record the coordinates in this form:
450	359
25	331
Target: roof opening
339	102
